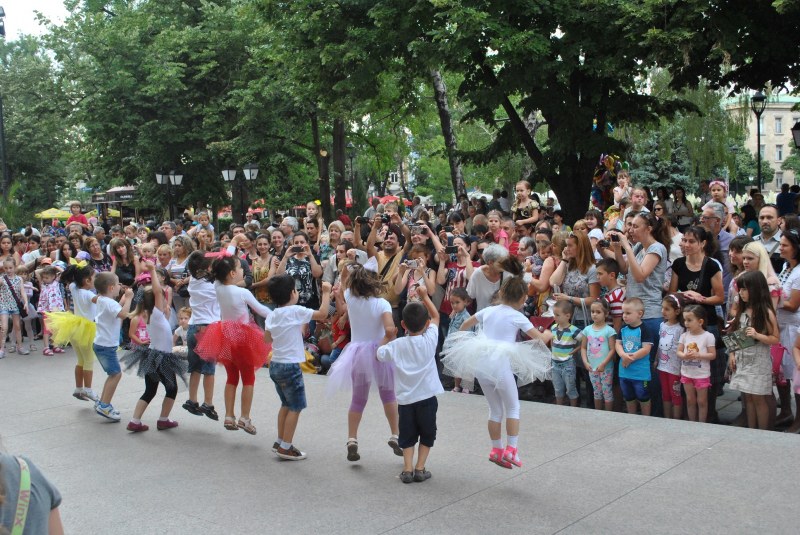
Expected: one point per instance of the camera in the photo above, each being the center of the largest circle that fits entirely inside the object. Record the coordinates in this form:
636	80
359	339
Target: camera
451	249
296	249
386	219
361	220
417	229
615	236
605	244
412	264
448	228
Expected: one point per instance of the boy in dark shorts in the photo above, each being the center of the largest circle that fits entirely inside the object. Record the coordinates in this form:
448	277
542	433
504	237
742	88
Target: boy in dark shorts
416	383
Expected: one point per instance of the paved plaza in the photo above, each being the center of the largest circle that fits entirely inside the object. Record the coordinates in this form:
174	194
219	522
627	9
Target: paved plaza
584	471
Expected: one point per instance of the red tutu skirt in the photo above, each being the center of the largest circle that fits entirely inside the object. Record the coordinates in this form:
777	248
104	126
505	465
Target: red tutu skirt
242	344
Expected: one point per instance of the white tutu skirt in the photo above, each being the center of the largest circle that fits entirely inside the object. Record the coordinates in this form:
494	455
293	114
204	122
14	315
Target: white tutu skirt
468	355
357	367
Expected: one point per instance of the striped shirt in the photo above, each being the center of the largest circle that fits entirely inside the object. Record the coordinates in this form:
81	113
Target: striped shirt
565	341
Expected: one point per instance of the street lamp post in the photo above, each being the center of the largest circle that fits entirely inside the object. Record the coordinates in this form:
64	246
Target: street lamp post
351	153
758	103
171	180
229	175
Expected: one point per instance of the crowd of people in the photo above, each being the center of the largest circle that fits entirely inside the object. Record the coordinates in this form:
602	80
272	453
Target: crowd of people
650	307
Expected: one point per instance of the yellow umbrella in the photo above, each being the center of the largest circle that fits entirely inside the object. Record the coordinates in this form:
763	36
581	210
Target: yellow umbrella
52	213
111	212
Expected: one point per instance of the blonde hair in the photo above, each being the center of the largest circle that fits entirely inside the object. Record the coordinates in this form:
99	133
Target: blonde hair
764	265
165	248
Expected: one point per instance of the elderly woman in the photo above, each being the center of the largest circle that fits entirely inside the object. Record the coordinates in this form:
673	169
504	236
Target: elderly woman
486	280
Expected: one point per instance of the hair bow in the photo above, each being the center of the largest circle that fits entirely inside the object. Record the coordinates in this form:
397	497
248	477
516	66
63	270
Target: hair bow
143	278
223	253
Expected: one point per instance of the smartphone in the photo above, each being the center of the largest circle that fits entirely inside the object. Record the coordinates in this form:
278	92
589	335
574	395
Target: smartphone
451	249
448	228
417	229
296	249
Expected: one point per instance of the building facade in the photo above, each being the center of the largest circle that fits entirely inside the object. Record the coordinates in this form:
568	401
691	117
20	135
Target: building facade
776	136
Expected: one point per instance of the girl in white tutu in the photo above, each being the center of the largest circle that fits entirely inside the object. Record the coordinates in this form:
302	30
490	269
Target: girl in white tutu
371	326
494	357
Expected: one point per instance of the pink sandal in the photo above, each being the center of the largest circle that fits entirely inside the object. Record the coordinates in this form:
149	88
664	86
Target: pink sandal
58	350
47	352
496	456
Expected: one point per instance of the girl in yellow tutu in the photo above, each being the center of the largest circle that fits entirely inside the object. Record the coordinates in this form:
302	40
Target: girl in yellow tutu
78	329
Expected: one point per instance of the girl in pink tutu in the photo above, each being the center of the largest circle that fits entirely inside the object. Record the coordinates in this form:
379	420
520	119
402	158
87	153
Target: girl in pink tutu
371	326
235	340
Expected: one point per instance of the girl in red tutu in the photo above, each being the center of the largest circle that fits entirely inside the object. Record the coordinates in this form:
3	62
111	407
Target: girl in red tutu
235	340
371	326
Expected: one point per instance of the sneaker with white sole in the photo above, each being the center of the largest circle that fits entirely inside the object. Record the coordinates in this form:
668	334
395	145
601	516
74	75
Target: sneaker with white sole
108	412
90	394
510	455
78	393
292	454
395	445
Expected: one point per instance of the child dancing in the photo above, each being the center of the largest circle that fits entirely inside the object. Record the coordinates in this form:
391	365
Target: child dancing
493	356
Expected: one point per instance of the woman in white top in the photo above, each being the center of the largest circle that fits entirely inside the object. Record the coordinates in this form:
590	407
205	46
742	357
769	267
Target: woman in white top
156	363
182	247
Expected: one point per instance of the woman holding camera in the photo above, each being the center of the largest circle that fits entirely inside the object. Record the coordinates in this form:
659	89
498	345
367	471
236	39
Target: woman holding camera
302	265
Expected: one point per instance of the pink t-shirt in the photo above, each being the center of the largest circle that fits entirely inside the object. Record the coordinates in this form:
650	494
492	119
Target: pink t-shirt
697	368
501	237
80	218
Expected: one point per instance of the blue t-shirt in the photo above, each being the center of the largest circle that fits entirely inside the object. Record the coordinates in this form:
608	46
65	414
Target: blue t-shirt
631	338
597	344
456	321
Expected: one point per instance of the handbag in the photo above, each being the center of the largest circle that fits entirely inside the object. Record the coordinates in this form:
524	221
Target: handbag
23	311
542	323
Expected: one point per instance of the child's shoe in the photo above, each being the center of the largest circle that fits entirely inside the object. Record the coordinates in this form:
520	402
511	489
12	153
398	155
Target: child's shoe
22	350
193	407
406	477
292	454
421	475
208	410
352	450
107	411
496	456
510	455
395	445
137	428
11	348
465	391
57	350
90	394
2	354
78	393
161	425
246	425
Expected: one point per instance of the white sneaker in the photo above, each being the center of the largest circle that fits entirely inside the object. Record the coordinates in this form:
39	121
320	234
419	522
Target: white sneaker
78	393
90	394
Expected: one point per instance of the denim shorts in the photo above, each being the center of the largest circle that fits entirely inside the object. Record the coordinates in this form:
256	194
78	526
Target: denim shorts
564	378
107	356
196	364
288	379
635	389
418	422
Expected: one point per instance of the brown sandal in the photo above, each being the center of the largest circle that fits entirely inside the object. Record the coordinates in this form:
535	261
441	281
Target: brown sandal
247	425
230	423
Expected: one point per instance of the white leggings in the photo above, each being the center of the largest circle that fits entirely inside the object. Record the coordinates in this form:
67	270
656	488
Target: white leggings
502	396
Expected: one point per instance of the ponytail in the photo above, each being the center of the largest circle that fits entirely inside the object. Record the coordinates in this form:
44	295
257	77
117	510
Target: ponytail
513	288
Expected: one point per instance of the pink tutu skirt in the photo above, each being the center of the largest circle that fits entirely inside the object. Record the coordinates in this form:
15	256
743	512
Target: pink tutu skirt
357	367
242	344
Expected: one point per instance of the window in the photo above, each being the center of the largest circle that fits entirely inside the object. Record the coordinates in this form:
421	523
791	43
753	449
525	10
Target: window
761	123
778	125
393	178
778	153
778	179
762	149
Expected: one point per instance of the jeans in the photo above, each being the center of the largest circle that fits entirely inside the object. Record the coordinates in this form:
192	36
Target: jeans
289	384
328	360
564	379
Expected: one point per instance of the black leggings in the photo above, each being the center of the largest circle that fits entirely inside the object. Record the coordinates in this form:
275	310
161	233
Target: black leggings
151	381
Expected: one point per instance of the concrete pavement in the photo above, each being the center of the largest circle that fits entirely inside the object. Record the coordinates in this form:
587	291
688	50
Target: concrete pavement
584	471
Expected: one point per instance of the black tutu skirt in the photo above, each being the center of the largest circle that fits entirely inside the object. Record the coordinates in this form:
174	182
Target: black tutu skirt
146	361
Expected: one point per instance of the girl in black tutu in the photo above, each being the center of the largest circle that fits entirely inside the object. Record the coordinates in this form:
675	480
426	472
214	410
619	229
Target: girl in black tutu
156	362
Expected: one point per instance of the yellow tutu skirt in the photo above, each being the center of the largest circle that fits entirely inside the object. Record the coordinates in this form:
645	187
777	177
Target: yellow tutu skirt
69	328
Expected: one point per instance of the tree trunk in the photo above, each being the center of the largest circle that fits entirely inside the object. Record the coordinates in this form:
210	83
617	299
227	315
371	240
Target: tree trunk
440	95
403	182
339	168
322	168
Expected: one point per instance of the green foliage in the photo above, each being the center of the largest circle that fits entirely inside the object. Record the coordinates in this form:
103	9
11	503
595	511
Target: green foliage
792	163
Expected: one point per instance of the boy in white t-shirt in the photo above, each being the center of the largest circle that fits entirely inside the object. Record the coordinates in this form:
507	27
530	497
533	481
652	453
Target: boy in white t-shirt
109	316
416	383
285	325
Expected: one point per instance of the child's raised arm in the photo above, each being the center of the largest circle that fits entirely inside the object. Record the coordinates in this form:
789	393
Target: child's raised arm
324	307
125	303
422	291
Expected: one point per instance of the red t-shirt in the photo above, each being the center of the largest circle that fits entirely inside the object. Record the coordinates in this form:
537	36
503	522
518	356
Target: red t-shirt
80	218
